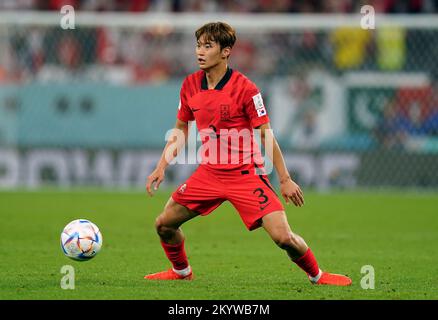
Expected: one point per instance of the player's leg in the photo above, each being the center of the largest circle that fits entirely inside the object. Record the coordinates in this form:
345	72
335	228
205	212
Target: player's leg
169	221
277	226
198	195
168	226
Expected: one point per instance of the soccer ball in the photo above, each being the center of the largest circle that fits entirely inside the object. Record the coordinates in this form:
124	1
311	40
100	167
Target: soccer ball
81	240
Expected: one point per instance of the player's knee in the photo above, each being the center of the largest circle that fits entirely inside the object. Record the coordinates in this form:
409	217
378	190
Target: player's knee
163	230
287	240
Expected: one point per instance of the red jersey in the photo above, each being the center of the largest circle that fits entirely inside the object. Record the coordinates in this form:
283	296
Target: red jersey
225	117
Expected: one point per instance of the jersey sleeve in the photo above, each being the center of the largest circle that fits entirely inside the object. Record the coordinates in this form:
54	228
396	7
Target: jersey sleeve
254	107
184	112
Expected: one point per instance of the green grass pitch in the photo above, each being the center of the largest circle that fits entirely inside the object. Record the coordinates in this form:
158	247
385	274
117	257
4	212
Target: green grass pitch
396	233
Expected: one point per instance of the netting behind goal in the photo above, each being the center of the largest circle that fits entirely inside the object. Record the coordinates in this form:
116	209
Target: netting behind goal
91	105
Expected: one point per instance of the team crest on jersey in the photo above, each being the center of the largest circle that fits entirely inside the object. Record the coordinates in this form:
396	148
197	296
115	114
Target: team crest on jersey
258	104
182	188
225	112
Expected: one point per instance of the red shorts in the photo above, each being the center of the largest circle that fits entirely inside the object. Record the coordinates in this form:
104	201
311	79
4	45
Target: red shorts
251	194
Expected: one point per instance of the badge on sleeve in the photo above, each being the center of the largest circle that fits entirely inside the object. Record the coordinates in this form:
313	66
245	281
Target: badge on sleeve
258	104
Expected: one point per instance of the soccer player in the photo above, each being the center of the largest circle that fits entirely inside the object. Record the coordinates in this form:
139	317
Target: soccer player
221	100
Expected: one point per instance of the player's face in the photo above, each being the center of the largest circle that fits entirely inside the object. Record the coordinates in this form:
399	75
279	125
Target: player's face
209	53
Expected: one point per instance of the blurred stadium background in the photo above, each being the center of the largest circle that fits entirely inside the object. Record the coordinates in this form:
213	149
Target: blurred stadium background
351	108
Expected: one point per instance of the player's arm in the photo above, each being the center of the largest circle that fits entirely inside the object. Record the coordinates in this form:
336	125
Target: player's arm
176	142
289	189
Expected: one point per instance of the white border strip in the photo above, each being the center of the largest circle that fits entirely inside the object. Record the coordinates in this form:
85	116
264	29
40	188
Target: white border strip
382	79
258	23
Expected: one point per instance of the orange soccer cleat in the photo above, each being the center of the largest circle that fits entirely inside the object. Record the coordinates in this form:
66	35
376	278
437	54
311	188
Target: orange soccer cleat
168	275
333	279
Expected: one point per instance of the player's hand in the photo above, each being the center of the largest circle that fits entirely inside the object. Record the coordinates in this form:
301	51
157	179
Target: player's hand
292	192
156	177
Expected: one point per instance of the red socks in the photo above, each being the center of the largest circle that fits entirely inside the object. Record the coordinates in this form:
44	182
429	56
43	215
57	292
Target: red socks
308	263
176	254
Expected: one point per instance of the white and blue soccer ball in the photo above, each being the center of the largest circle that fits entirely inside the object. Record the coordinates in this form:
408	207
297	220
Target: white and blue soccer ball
81	240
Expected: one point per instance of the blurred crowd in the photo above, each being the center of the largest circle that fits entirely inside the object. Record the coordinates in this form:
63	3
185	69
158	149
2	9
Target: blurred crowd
128	56
144	56
291	6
